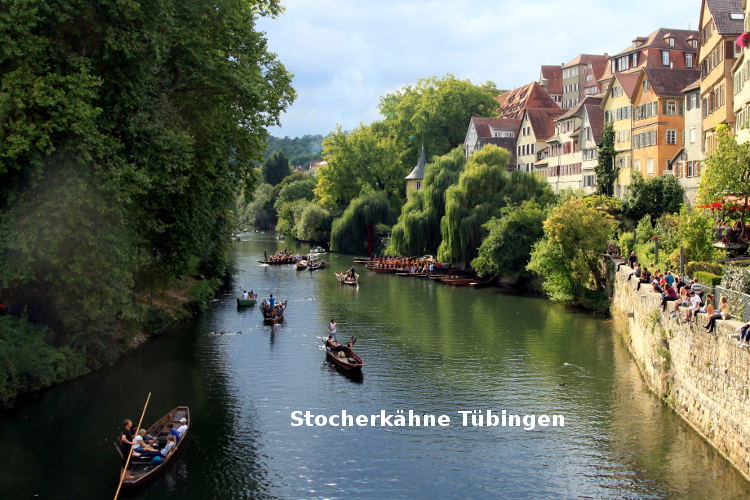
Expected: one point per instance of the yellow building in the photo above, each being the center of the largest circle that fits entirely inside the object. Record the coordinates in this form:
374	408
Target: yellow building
721	21
741	84
616	106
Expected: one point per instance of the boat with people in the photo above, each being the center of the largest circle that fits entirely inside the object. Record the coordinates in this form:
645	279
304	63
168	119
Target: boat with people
145	466
343	356
273	315
316	265
318	250
348	278
301	265
247	299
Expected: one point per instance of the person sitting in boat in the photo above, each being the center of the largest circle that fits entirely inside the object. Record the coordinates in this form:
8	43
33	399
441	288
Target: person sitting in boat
183	427
333	345
141	443
159	455
252	295
351	274
245	295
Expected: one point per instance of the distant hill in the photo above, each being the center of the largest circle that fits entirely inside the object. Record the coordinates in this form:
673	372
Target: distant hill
299	150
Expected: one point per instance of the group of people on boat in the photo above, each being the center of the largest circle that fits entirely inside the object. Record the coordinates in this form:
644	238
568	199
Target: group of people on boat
145	446
282	257
414	265
271	307
249	295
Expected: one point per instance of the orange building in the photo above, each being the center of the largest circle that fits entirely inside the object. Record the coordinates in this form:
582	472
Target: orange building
659	118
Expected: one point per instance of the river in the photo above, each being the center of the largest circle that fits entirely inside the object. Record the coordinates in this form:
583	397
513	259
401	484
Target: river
427	347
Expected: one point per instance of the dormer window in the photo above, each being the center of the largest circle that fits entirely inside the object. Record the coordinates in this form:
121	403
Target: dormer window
693	43
737	16
670	41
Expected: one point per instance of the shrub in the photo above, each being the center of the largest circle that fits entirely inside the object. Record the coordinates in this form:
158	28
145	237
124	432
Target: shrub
707	278
709	267
644	230
627	243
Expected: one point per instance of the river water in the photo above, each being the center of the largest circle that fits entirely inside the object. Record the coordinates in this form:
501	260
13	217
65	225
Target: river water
427	347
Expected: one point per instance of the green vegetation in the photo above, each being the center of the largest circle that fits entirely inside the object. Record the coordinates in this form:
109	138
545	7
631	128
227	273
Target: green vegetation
300	150
707	278
110	172
606	171
568	257
654	196
727	171
483	188
276	168
363	224
417	231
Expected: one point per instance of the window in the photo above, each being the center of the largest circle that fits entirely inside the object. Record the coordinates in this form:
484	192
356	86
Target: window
671	136
689	60
665	57
692	135
419	185
671	107
638	165
650	166
645	85
693	43
635	59
670	41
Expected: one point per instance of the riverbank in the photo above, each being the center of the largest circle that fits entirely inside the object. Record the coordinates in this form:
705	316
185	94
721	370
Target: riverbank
703	377
30	361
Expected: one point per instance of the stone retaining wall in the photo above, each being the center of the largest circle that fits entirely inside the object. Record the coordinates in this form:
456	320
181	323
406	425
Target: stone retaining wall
703	377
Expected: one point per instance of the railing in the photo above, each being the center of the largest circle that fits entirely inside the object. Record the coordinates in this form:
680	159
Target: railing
739	303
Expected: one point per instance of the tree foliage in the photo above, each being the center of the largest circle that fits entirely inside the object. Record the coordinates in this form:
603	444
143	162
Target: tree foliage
727	171
313	224
299	150
606	171
654	196
483	188
358	230
506	250
276	168
568	258
417	231
126	129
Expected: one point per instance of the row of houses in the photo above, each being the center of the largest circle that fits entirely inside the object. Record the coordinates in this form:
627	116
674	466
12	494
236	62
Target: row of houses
664	95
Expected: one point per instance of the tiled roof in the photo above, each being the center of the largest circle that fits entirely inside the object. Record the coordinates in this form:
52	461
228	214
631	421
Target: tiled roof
484	126
543	122
629	82
670	82
657	39
586	59
508	143
553	75
721	11
514	103
596	118
577	110
696	85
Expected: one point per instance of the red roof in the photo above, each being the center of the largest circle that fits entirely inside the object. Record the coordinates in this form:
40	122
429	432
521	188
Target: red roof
553	79
514	103
484	126
543	122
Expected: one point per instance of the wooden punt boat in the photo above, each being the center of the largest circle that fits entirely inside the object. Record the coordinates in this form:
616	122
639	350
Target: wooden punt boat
384	270
143	470
279	262
351	362
270	317
317	265
245	303
347	281
301	265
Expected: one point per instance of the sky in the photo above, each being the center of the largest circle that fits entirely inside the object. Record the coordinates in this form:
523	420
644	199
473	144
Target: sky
346	54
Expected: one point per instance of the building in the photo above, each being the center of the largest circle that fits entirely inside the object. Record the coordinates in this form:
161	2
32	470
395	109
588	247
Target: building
616	109
416	177
721	21
537	126
563	157
515	102
688	162
498	131
658	118
664	48
580	78
740	78
550	78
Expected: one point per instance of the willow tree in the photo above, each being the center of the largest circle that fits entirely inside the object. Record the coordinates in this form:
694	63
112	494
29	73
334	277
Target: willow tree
362	225
483	188
417	231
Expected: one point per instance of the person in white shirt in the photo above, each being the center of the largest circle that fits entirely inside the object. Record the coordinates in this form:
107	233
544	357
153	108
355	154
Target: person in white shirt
181	429
332	329
245	296
695	305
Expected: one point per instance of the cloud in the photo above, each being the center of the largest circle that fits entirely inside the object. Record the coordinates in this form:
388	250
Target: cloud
346	54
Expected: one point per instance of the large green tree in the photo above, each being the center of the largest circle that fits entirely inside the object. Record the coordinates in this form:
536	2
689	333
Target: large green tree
126	128
417	231
483	188
654	196
606	170
727	171
276	168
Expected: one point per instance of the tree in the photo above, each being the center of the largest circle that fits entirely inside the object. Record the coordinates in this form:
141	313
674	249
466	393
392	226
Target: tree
727	171
654	196
568	258
361	161
276	168
435	112
126	129
313	225
606	171
506	250
356	231
483	188
417	231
